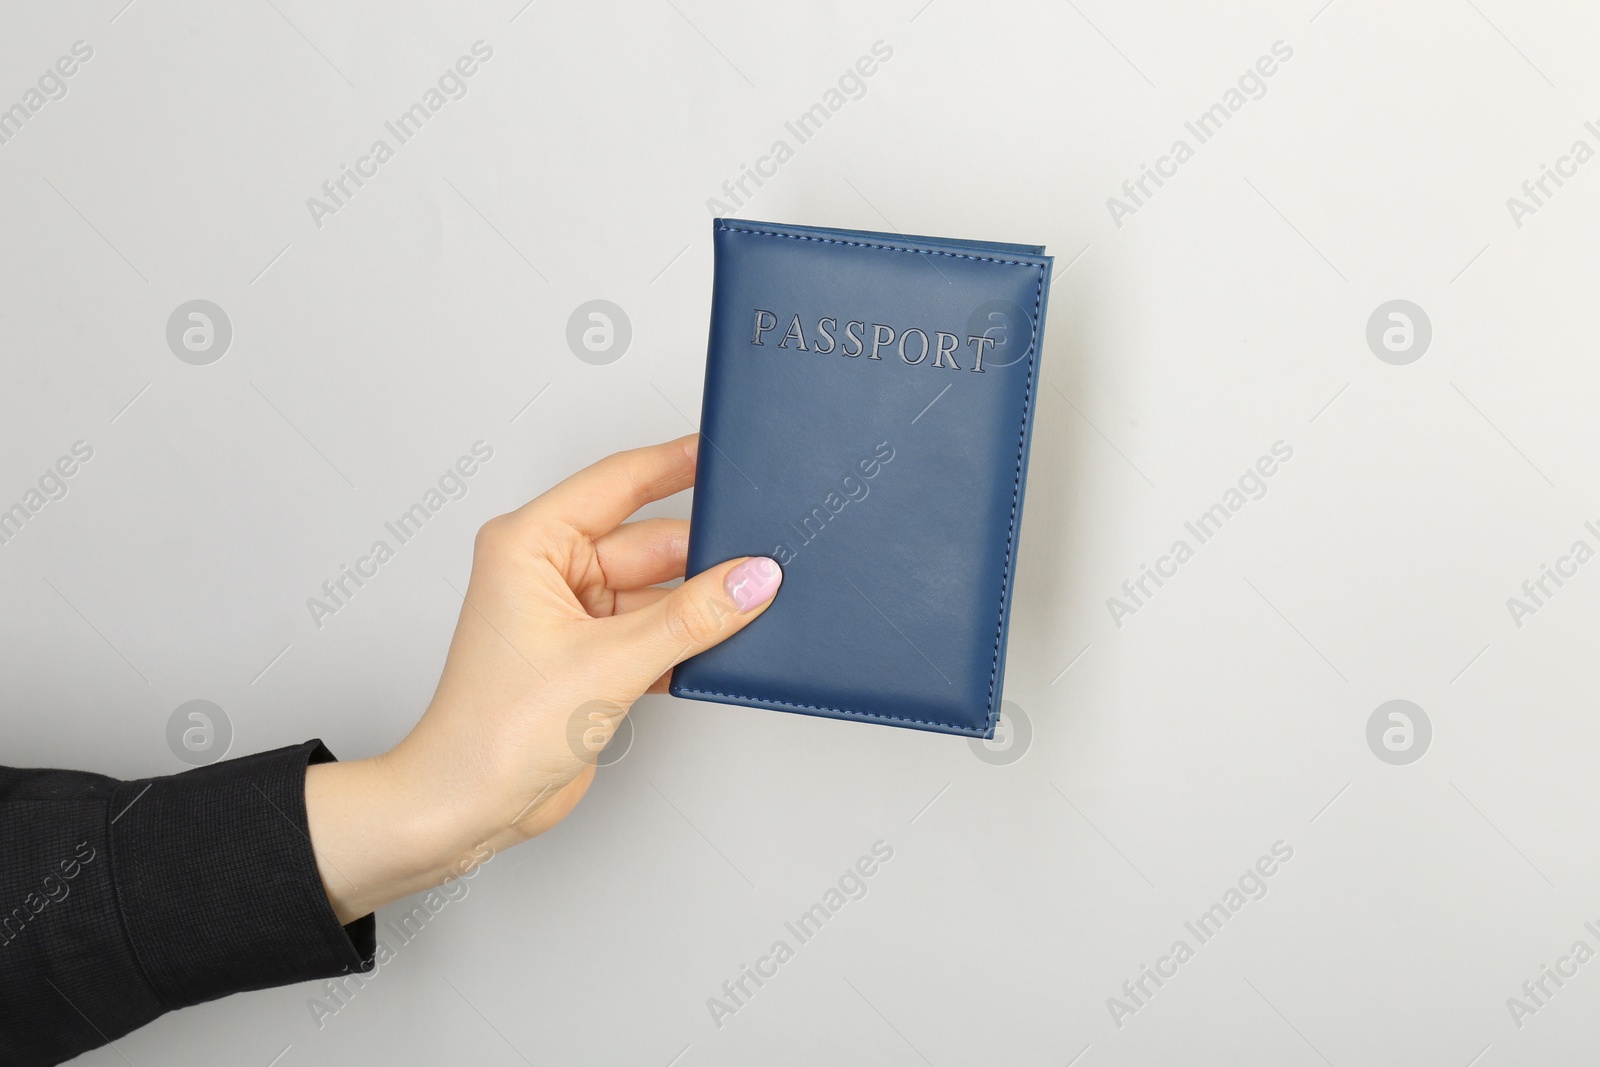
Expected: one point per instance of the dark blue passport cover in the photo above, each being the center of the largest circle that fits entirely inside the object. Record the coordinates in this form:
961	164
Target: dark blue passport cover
868	406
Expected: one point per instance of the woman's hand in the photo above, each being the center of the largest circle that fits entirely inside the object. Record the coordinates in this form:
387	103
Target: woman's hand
562	629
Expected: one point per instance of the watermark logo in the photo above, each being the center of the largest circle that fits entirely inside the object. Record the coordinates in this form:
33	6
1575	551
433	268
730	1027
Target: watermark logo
1538	991
52	485
599	332
1251	85
850	489
600	732
1010	326
53	889
199	332
52	85
339	190
199	732
1138	591
1538	190
1537	591
737	992
402	928
1251	886
1013	736
452	485
737	191
1399	332
1399	732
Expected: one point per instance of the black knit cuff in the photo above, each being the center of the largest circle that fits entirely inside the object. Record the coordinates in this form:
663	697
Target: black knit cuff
217	883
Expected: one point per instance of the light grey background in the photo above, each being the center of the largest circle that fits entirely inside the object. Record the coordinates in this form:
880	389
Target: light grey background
1167	754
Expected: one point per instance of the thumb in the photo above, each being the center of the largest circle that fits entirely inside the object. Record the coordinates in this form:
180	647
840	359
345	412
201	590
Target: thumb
704	611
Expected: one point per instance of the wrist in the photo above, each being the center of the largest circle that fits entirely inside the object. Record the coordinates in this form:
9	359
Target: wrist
378	836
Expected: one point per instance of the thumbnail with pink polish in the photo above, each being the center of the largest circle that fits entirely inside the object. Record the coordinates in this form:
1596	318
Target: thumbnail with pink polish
753	582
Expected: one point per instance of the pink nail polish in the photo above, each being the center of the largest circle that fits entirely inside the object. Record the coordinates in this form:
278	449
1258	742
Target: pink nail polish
753	582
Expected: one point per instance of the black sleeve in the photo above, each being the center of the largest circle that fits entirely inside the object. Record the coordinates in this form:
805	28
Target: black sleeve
120	901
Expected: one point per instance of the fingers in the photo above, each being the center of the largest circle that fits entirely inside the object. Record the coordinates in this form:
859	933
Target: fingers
704	611
643	553
633	599
597	498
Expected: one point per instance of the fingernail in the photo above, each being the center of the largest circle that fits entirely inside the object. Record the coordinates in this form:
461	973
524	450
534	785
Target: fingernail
753	582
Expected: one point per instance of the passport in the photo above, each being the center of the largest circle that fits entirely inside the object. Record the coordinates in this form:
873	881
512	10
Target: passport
866	418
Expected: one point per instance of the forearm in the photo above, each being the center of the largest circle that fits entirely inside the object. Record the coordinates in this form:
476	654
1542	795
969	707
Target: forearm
393	825
123	900
378	838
